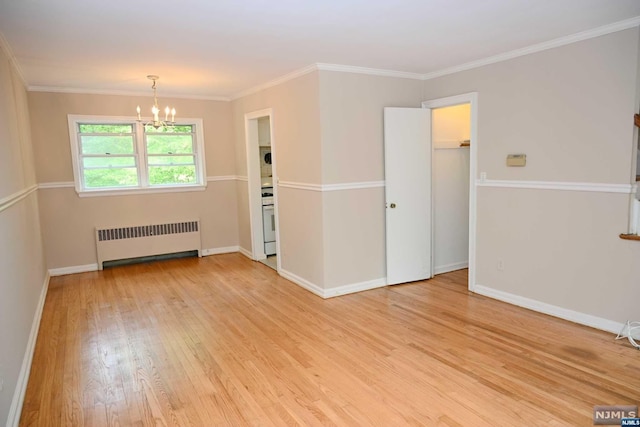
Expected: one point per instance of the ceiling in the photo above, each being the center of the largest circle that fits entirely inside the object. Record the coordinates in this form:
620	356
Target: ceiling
210	49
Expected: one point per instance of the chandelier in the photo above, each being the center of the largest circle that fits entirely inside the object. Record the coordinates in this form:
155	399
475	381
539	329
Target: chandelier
156	122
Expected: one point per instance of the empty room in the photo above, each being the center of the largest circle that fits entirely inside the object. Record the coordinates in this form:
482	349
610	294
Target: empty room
341	213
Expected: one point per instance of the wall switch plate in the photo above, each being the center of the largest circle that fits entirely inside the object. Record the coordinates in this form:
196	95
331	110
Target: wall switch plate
516	160
483	176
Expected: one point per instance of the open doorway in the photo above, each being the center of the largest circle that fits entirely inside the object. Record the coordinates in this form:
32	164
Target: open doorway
470	121
262	182
451	141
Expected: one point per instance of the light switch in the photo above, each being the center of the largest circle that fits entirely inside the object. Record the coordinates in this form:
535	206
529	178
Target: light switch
516	160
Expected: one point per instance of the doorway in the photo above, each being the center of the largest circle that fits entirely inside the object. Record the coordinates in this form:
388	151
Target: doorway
451	142
262	187
470	99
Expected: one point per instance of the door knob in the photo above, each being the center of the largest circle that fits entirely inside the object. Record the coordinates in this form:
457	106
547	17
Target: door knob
392	205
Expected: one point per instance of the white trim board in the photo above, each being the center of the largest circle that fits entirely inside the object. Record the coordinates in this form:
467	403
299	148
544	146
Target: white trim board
369	71
60	184
71	184
275	82
74	269
245	252
354	287
301	282
23	378
222	178
83	91
4	45
552	310
539	47
556	185
62	271
331	187
333	292
222	250
12	199
441	269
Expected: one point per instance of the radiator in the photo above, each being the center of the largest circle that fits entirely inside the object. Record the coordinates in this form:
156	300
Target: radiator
115	243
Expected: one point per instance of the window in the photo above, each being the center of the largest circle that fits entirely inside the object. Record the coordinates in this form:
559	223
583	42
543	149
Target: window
120	155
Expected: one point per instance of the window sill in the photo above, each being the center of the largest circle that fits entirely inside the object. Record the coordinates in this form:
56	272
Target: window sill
630	237
130	191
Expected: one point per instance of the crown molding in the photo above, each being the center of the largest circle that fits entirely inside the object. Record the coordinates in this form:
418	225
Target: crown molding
369	71
277	81
562	41
4	45
82	91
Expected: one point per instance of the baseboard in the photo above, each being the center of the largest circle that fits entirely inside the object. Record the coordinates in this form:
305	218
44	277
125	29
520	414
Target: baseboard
94	267
552	310
333	292
73	269
450	267
355	287
23	378
245	252
302	282
218	251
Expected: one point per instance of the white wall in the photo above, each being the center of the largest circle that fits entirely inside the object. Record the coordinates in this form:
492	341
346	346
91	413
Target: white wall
451	126
22	271
570	110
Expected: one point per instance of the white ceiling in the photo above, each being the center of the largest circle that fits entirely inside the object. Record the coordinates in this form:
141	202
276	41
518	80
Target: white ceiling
209	48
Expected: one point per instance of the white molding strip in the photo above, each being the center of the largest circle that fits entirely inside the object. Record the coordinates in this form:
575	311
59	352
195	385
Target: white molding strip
302	282
552	310
218	251
369	71
331	187
277	81
222	178
61	184
245	252
62	271
355	287
353	186
23	378
4	45
300	185
87	91
333	292
242	178
70	184
562	41
553	185
450	267
14	198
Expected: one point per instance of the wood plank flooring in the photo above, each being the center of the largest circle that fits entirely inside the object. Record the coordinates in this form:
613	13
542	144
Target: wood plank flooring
224	341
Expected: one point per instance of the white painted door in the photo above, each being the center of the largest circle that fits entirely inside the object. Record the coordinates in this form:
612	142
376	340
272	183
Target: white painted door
407	166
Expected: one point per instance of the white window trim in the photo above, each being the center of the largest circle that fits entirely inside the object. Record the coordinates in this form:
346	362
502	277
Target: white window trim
141	154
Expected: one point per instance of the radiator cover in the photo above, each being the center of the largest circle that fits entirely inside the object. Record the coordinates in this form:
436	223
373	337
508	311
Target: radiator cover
115	243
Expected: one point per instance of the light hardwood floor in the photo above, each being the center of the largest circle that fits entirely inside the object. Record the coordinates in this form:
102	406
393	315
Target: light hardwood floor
224	341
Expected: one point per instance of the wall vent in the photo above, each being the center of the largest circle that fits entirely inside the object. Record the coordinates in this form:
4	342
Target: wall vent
116	243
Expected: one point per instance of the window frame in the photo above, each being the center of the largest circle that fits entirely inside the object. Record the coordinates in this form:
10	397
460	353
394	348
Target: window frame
140	155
